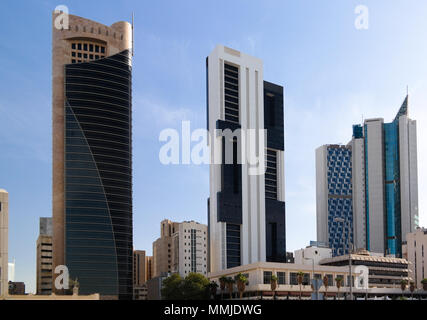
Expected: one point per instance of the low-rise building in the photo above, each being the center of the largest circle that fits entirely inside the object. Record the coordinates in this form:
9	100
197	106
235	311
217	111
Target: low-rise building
415	251
384	272
44	257
312	254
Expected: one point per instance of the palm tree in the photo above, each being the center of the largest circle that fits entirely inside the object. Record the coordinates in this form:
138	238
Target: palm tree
403	285
241	281
213	286
412	288
273	285
230	286
339	280
222	283
300	277
326	284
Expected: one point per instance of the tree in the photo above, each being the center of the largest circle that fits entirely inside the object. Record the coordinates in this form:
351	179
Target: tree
300	277
339	280
194	287
326	284
172	287
273	285
241	281
230	286
403	285
222	283
412	288
424	283
213	286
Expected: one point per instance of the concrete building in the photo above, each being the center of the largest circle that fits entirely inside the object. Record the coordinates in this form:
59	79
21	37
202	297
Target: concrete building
155	285
384	272
92	154
4	238
44	257
312	254
182	248
16	288
162	248
246	207
373	187
142	267
259	279
415	251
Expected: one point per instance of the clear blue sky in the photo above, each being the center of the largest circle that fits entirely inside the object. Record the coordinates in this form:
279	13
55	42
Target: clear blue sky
333	75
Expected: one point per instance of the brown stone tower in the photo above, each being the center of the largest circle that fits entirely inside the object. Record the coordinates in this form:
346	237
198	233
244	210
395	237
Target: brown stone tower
92	160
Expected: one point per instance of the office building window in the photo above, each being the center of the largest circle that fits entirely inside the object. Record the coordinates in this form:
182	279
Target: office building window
83	49
233	245
267	277
271	174
231	93
293	278
281	277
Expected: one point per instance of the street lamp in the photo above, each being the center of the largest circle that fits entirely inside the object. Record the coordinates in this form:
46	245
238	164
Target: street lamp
314	284
350	245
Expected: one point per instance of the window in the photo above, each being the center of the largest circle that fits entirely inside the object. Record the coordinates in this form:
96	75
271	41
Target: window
0	206
271	174
330	280
267	277
293	278
281	277
231	93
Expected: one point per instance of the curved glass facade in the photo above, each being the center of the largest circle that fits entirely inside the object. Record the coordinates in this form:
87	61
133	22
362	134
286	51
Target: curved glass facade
98	175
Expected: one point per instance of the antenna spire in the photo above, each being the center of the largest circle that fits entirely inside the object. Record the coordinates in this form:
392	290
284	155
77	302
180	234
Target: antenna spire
133	38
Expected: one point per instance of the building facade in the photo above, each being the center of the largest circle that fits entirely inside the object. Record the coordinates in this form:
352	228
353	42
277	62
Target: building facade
162	248
4	241
334	197
182	248
312	255
44	257
415	251
142	268
92	154
384	272
384	185
246	207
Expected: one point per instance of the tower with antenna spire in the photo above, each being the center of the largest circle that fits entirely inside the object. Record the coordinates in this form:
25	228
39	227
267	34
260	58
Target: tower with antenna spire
384	184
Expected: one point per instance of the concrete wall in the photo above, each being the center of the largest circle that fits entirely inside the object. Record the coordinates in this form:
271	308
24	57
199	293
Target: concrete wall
376	185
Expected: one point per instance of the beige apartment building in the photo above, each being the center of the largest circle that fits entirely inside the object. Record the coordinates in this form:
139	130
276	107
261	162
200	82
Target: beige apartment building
181	248
415	251
44	257
142	267
4	227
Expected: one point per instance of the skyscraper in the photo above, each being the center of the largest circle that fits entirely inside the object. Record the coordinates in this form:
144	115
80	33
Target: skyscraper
44	257
384	184
334	197
92	154
4	240
246	211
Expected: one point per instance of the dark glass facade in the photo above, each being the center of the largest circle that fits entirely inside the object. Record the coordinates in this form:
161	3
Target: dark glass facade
98	175
275	210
